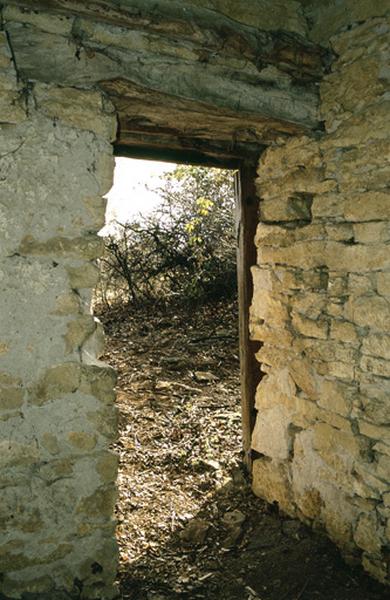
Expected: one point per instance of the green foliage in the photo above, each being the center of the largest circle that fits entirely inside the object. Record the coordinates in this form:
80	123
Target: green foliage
185	250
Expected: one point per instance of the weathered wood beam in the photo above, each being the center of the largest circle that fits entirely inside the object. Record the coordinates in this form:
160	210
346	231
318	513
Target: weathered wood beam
166	118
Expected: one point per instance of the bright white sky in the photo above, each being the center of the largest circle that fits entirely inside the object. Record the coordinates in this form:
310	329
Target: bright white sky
129	194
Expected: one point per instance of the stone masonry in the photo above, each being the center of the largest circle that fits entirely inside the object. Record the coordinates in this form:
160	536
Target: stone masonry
321	307
57	417
227	80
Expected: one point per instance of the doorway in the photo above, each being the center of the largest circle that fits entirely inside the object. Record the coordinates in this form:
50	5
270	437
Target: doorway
179	396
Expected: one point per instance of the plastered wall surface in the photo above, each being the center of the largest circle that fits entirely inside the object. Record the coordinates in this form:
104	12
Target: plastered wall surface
322	308
57	417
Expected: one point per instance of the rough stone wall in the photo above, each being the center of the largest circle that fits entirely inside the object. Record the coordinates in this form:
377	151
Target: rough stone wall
57	417
321	307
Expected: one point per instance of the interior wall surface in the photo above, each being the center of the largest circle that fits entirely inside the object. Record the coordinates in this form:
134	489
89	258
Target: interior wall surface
57	125
57	416
321	305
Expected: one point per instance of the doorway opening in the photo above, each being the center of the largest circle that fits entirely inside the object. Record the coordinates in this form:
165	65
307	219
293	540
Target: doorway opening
168	300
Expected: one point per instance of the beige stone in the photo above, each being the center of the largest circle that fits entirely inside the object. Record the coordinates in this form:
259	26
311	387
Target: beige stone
50	442
338	449
376	568
82	109
343	331
375	432
98	381
271	435
378	366
271	482
83	276
96	209
56	382
366	534
82	440
368	206
383	284
340	232
370	311
107	467
67	304
371	233
335	396
310	327
78	332
100	504
358	284
88	247
11	398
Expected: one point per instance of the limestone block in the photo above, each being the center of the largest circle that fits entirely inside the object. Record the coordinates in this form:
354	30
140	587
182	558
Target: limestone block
338	449
339	515
367	534
371	232
335	396
374	365
370	311
83	276
376	568
271	435
67	303
332	18
96	210
309	327
99	381
383	462
352	88
88	247
268	308
93	347
271	482
100	504
78	331
305	377
57	381
358	284
377	345
375	432
367	206
105	420
82	440
82	109
383	283
310	304
341	232
107	467
327	206
11	397
14	453
374	401
343	331
259	331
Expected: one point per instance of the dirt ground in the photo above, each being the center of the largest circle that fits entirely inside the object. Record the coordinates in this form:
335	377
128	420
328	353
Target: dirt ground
188	524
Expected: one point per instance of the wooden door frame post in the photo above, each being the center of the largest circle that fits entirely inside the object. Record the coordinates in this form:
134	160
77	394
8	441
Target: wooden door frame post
247	220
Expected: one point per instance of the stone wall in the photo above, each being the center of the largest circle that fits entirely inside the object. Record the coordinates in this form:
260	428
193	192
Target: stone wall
57	417
321	307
